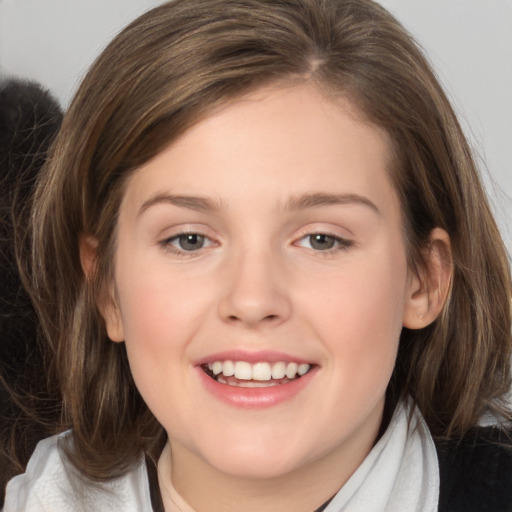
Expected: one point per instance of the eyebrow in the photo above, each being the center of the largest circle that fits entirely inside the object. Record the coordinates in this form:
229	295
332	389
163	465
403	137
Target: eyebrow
320	199
302	202
200	204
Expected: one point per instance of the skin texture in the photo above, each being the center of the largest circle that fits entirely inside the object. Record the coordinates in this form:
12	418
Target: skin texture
259	285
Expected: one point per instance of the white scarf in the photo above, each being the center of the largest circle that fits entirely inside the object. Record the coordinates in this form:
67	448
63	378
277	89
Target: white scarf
400	474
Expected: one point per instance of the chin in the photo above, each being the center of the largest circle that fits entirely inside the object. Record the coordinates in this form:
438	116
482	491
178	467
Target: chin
257	468
256	460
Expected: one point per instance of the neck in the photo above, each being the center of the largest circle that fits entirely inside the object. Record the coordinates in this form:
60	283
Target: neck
305	489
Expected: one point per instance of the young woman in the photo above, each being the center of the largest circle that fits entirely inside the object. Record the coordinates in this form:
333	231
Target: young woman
268	274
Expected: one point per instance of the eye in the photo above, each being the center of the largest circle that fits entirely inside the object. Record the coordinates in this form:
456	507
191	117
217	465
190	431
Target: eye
187	242
323	242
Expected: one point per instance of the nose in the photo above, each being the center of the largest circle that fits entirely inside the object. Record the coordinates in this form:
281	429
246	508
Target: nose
255	294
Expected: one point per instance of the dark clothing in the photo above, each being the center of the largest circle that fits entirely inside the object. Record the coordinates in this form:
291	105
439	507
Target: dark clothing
476	473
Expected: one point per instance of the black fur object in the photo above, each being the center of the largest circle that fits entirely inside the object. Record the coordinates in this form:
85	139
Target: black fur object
29	119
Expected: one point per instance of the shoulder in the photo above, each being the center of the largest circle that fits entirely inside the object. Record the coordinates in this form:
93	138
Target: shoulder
476	472
50	483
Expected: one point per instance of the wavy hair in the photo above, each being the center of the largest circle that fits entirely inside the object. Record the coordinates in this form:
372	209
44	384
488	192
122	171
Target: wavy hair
169	69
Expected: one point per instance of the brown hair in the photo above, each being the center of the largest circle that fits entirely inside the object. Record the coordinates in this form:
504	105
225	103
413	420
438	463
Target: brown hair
169	69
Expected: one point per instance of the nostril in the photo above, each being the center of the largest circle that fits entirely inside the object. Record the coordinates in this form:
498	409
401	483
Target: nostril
268	318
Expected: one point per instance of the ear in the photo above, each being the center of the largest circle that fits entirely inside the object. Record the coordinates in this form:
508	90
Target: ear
106	302
427	293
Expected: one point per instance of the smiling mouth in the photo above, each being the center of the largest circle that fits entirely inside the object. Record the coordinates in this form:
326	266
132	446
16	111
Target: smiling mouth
257	375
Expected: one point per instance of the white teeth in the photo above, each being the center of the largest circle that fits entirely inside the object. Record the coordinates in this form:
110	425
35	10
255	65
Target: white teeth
228	369
261	371
303	369
278	370
255	384
217	367
247	383
243	370
291	370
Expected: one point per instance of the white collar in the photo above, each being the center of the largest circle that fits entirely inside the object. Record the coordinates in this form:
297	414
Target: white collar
400	474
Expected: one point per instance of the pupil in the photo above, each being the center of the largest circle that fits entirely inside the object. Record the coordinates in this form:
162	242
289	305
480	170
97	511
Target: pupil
191	242
322	242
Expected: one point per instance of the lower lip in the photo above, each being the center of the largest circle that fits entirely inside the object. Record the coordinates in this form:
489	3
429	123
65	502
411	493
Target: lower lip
255	397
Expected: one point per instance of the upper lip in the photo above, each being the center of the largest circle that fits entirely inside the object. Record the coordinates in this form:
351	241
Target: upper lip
268	356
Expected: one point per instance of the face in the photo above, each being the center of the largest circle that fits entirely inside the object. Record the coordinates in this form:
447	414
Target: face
261	283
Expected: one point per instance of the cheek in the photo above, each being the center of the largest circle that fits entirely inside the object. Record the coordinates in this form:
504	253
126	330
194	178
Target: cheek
156	303
159	324
363	296
359	316
162	311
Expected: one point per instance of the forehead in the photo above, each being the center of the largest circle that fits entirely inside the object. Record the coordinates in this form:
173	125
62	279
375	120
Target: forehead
283	139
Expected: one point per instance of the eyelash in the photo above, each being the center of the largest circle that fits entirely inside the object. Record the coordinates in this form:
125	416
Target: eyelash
166	244
340	244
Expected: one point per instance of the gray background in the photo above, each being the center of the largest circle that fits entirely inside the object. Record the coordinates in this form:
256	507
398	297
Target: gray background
468	41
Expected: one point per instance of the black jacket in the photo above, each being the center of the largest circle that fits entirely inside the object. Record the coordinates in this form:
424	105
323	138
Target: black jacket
476	473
